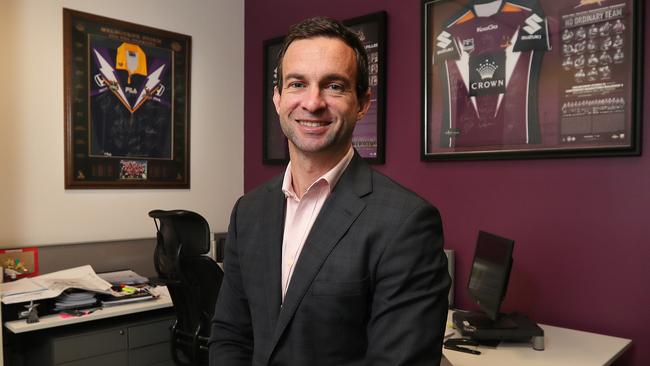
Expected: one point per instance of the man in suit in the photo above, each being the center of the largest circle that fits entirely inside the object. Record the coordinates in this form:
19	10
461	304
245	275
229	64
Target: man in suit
331	263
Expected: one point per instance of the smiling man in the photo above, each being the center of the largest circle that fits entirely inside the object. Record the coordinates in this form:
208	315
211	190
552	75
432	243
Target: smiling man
330	263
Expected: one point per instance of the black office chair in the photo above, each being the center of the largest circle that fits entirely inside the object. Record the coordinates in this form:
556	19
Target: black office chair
192	277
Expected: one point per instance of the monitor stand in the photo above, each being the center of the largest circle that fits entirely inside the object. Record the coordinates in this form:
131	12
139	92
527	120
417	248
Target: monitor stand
514	327
482	321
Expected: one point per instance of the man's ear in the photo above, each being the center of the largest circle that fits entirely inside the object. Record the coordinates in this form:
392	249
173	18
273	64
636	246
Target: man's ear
364	105
276	99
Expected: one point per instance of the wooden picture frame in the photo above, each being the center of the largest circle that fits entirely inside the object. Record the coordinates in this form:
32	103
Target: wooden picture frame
126	104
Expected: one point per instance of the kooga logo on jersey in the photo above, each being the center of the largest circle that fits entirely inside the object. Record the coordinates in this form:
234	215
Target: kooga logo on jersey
489	27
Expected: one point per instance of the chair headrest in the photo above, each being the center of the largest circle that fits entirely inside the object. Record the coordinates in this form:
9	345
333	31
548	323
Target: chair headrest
186	227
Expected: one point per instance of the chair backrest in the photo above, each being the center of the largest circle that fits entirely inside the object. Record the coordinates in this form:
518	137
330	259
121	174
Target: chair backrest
192	278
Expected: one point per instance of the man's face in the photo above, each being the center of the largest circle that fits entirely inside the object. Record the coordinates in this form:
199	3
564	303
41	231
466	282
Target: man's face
318	106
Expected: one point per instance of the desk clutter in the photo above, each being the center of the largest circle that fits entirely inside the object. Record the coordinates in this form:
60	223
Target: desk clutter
73	292
18	263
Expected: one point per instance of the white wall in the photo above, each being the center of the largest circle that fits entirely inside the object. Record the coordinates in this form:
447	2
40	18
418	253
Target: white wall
35	209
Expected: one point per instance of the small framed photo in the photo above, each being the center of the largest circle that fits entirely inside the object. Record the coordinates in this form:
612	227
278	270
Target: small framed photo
531	79
368	137
126	102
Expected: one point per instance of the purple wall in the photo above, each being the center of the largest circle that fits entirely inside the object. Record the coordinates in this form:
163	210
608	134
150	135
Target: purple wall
581	225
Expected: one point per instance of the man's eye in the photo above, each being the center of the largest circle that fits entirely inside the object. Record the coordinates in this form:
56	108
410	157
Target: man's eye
296	84
335	87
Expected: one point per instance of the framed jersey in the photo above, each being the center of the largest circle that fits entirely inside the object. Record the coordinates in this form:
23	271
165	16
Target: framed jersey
126	91
530	78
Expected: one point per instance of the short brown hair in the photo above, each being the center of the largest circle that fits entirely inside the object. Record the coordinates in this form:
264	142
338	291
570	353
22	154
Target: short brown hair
330	28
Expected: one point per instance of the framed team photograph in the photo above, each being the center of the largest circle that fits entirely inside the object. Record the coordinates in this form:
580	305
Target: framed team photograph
368	137
531	78
126	104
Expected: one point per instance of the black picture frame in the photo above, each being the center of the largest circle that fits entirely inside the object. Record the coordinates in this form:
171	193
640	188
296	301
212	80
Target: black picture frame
567	87
368	138
126	104
274	147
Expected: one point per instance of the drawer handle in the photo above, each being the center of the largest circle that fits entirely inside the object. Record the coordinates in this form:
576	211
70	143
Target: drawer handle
121	332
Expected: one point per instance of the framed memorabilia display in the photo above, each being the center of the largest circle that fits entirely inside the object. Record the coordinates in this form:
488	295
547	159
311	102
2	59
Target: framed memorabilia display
126	104
531	78
368	137
274	147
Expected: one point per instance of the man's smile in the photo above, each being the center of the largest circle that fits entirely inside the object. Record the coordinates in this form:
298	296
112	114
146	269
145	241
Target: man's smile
312	123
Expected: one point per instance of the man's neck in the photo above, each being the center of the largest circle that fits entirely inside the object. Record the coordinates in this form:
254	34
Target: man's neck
306	168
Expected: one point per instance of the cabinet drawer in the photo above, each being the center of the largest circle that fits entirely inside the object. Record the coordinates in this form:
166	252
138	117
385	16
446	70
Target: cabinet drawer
151	333
151	355
66	349
112	359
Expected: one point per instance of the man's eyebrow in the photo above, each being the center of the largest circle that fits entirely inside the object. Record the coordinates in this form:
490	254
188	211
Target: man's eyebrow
327	77
294	76
335	76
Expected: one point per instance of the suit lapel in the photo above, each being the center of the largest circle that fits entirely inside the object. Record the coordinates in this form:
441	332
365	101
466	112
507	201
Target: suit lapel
273	220
339	212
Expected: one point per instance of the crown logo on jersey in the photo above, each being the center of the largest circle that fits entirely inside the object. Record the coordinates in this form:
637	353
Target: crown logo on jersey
487	69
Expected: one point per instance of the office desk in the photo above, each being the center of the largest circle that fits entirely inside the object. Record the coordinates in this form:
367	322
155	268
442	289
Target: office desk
562	347
134	333
54	320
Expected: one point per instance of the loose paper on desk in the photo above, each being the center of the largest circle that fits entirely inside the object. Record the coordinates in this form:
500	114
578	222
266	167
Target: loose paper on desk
126	277
53	284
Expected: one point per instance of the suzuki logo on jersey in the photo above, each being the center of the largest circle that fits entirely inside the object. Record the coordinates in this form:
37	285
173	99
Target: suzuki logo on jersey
490	27
487	74
444	39
533	24
444	43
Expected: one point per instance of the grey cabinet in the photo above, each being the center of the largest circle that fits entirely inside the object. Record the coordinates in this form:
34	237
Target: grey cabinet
143	341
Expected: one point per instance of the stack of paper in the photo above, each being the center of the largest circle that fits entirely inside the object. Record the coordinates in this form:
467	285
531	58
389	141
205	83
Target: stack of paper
137	297
52	285
74	300
19	287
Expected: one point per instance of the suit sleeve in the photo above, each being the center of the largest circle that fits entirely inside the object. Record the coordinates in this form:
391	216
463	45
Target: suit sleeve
409	306
231	337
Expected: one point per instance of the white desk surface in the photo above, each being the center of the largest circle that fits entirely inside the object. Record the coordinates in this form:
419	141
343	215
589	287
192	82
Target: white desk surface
562	347
54	320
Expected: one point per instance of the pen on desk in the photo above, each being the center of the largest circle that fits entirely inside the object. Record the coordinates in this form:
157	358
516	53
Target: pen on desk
462	349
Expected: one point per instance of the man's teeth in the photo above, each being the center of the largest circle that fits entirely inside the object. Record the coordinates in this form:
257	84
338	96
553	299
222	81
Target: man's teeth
312	124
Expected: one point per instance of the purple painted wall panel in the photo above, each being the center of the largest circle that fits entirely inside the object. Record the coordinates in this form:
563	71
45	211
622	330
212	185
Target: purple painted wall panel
581	226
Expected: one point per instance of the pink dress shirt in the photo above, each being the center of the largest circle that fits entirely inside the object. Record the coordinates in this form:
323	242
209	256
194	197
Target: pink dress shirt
302	212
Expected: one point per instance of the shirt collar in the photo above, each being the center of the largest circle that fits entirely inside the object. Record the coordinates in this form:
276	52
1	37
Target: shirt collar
330	178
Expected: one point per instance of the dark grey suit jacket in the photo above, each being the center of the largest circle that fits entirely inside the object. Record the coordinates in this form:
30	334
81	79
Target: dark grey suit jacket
369	288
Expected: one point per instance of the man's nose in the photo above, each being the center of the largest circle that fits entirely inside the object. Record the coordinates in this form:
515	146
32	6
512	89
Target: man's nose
314	100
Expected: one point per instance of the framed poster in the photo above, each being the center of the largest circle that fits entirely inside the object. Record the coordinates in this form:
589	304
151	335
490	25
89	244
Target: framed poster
275	145
368	137
531	78
126	104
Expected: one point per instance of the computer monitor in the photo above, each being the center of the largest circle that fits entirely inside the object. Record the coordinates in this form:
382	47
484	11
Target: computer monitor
488	279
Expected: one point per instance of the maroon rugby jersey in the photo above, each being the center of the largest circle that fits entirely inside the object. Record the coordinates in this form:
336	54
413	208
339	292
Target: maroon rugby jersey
490	56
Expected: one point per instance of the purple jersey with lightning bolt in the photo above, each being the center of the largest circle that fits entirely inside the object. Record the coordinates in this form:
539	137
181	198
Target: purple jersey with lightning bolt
490	56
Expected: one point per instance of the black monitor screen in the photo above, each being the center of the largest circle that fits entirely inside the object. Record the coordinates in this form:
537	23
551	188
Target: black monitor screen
488	279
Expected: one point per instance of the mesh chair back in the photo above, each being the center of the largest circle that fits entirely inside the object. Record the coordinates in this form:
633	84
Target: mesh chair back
192	278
